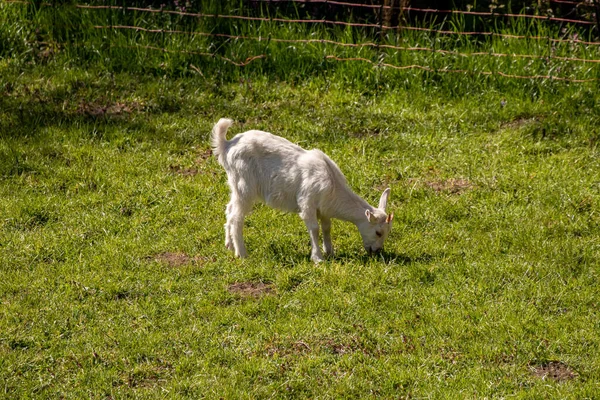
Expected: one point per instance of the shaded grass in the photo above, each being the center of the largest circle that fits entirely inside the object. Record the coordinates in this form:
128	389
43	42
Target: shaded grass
477	289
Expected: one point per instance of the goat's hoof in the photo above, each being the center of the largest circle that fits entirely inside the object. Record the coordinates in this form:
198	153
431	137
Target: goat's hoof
316	259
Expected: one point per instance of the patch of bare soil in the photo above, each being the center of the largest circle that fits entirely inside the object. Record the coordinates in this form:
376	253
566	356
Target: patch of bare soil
338	348
107	110
173	259
520	122
387	183
178	259
287	348
251	289
299	347
555	370
335	346
150	376
452	185
184	171
204	155
201	158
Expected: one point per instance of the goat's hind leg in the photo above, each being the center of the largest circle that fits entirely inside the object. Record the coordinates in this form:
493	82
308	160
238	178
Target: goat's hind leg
228	237
235	222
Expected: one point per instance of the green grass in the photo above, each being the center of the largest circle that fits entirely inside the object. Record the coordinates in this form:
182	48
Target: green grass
490	271
114	278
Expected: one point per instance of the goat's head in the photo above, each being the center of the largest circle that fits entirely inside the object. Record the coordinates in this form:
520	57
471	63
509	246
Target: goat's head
377	225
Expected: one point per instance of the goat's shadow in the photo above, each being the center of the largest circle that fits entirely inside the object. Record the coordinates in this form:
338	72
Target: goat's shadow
297	255
387	257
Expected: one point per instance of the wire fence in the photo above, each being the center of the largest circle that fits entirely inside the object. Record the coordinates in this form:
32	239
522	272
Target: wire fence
344	23
568	29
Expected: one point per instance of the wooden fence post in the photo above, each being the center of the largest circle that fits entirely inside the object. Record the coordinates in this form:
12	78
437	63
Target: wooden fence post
597	4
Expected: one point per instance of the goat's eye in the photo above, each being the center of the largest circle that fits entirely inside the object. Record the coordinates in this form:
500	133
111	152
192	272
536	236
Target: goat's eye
378	234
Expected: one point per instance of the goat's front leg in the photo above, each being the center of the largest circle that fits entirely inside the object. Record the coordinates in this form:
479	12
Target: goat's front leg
312	224
327	246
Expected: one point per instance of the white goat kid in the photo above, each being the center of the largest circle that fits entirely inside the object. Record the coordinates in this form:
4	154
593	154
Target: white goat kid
268	168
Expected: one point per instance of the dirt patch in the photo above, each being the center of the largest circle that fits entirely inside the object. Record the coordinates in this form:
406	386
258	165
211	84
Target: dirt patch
251	289
204	155
451	355
520	122
97	110
201	158
366	132
452	185
554	370
173	259
325	345
178	259
387	183
339	348
183	171
146	376
287	348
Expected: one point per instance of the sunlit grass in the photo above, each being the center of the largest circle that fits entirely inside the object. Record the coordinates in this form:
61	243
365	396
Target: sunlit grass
114	278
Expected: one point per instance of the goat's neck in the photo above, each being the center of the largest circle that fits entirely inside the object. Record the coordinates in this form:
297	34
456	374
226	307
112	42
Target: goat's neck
350	206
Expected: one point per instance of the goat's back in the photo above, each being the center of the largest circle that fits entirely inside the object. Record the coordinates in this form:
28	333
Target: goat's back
259	144
266	167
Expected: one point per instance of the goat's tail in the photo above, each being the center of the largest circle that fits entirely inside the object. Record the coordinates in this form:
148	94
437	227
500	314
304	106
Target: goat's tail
218	137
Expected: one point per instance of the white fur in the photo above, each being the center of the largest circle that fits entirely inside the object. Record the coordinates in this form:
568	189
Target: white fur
268	168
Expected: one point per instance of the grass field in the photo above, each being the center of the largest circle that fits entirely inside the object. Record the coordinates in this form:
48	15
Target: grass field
115	281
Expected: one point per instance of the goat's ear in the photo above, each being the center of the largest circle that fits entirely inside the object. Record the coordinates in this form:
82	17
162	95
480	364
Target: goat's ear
369	215
389	218
384	198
